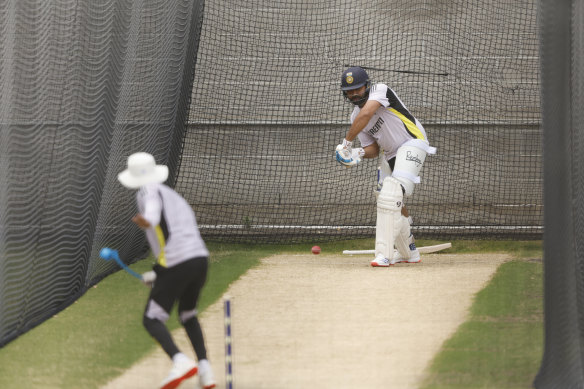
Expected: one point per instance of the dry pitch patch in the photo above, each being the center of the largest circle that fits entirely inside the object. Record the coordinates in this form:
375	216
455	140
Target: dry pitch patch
332	321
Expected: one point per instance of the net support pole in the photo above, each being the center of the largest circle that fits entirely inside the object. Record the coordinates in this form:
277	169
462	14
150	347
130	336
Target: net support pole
561	38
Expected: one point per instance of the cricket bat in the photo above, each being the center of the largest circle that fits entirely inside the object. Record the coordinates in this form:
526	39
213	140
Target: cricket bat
423	250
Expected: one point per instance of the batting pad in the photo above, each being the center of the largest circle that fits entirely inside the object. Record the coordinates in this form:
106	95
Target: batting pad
402	237
408	163
389	204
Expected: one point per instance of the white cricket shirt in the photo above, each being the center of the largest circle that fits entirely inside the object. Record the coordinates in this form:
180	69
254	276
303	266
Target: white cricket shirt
392	124
174	236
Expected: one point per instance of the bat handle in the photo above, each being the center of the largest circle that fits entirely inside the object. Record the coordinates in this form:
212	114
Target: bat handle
124	266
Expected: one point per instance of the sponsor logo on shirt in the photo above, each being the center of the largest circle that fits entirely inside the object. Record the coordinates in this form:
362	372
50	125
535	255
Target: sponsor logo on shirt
375	129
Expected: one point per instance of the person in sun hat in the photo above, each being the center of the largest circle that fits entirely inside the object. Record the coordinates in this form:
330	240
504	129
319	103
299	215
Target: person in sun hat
181	268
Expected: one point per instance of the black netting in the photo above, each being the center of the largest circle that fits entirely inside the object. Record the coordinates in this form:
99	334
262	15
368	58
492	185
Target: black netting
83	85
86	83
267	114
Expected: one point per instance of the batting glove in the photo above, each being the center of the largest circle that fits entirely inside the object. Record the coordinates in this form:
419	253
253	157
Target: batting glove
348	158
348	144
358	153
343	151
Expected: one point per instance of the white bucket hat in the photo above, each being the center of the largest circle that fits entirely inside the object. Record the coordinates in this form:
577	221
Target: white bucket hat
142	170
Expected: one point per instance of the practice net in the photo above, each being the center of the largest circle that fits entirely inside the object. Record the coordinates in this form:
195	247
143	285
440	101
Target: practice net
83	85
267	113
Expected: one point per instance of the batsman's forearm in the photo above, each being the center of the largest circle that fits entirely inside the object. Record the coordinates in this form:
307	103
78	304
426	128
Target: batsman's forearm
357	126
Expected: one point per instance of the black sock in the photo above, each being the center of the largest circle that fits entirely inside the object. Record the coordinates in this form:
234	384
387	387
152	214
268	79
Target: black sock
195	333
158	331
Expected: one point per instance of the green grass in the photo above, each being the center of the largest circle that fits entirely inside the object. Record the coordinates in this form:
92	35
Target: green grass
101	335
501	344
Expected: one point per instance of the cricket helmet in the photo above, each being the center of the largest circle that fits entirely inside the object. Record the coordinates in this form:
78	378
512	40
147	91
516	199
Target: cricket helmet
354	78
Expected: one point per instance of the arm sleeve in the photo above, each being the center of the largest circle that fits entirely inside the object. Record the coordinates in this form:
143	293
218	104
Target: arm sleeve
378	93
151	204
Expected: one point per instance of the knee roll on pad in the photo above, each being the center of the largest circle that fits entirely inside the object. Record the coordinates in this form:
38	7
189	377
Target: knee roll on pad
389	205
408	163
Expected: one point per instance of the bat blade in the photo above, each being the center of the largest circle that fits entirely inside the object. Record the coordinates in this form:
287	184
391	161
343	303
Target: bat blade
423	249
435	248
